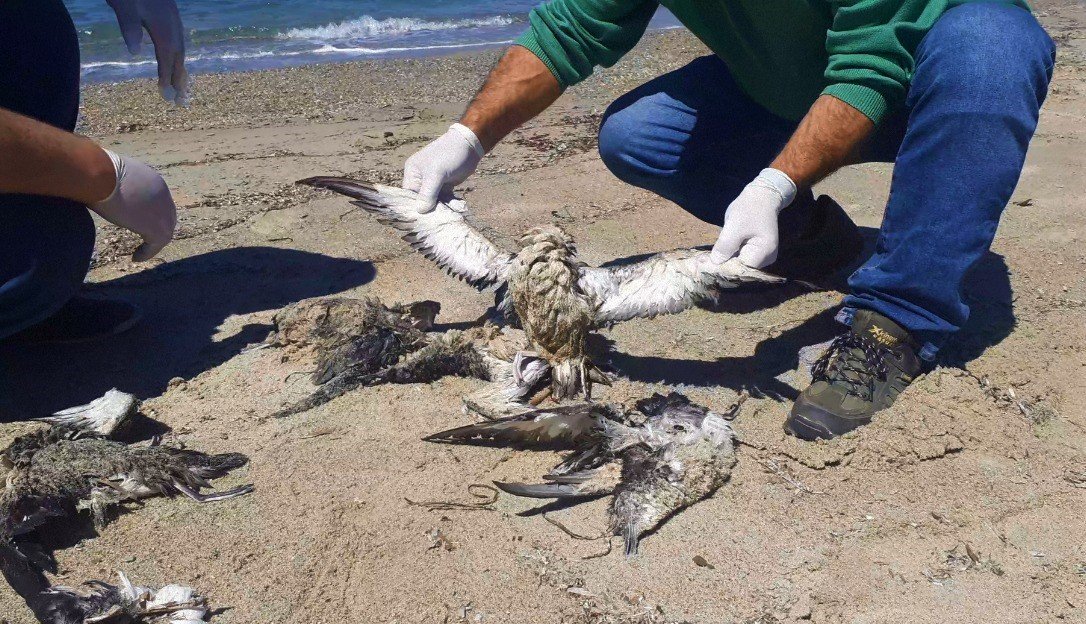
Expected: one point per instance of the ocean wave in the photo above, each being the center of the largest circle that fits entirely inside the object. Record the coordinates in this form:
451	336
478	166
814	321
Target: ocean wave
323	50
367	26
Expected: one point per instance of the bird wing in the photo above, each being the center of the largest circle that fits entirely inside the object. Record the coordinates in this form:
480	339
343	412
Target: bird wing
562	427
666	283
443	235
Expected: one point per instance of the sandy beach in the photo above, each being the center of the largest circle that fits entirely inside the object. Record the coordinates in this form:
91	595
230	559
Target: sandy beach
964	502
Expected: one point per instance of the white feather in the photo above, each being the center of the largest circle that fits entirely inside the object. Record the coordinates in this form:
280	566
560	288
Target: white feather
666	283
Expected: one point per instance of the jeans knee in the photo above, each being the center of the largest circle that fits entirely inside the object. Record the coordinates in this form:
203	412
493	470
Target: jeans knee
634	146
993	47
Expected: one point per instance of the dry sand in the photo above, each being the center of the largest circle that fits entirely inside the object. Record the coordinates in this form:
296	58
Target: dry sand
962	503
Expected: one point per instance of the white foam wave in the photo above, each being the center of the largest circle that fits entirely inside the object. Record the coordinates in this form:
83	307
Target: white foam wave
366	26
323	50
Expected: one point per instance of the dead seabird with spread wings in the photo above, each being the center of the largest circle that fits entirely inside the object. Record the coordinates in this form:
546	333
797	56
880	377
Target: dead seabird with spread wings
658	458
556	299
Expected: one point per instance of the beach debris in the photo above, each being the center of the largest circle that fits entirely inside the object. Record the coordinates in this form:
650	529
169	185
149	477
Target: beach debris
657	457
544	288
486	497
363	342
702	562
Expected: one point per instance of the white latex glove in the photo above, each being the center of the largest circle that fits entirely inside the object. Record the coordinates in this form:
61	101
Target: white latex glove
750	224
162	21
141	203
437	168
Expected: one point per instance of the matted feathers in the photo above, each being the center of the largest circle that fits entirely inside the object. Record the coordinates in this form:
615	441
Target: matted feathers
665	283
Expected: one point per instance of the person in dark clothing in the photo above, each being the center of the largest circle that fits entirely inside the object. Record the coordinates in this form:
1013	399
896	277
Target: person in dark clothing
50	178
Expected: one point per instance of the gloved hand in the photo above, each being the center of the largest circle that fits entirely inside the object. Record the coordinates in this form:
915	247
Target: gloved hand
163	23
750	224
141	202
441	165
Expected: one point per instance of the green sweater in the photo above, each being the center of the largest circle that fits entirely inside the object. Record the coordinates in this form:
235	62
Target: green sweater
782	53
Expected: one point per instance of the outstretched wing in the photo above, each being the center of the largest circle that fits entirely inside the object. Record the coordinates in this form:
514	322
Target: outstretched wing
666	283
442	235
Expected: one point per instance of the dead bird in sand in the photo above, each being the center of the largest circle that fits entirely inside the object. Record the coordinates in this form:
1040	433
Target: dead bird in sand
555	298
99	603
363	342
658	458
58	471
70	467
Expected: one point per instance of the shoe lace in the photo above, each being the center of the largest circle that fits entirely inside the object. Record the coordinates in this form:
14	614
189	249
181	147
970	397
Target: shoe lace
855	362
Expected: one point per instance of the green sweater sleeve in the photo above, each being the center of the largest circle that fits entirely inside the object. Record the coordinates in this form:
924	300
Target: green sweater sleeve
870	46
573	37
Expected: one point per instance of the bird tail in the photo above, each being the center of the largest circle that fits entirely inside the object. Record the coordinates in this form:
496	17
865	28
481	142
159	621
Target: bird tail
215	466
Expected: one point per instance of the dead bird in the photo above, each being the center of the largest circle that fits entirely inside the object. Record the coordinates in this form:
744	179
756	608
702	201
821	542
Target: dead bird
544	287
363	342
99	602
58	471
661	456
69	467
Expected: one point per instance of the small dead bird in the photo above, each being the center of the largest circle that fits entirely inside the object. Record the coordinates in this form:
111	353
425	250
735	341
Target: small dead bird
363	342
658	458
553	296
99	603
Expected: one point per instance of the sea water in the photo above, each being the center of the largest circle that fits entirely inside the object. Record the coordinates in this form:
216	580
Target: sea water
239	35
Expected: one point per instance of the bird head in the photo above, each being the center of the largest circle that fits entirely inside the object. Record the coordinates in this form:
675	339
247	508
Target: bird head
422	314
547	238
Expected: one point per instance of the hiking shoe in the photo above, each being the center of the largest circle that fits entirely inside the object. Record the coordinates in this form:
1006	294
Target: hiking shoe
82	319
862	372
829	243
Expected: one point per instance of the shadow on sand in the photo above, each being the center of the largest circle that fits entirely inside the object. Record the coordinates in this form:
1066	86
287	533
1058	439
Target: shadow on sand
987	291
184	304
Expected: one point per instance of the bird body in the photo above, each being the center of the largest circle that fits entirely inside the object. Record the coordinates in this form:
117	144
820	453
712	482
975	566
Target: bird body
363	342
556	299
658	458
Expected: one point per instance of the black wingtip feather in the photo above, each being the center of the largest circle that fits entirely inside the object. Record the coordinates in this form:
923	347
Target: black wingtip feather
362	191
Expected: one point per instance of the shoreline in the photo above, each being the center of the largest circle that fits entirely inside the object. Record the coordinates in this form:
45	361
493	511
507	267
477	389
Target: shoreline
339	91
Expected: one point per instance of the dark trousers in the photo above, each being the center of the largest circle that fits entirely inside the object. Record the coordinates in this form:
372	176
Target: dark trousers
982	73
45	242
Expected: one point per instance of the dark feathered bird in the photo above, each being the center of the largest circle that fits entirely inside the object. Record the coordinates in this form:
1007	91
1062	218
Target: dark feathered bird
661	456
553	295
56	471
69	467
363	342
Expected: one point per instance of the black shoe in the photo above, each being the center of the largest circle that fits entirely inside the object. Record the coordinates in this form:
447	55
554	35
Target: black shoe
83	319
862	372
830	242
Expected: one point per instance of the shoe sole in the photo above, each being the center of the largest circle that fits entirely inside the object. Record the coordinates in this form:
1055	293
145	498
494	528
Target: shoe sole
807	430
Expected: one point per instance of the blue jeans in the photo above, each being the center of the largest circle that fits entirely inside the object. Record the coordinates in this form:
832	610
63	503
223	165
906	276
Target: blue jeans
45	242
958	145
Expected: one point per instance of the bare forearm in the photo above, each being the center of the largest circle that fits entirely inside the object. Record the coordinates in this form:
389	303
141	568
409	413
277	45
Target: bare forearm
826	140
518	88
38	159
